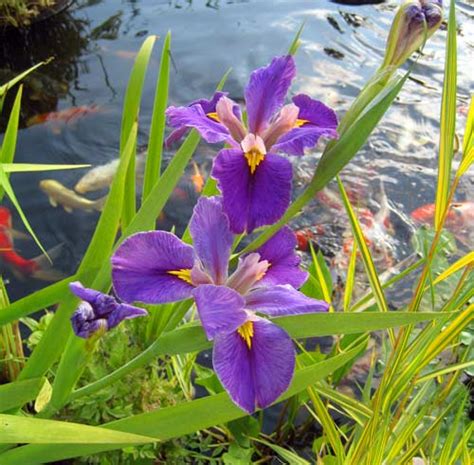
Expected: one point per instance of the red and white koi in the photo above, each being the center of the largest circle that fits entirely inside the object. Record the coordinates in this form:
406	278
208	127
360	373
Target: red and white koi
21	267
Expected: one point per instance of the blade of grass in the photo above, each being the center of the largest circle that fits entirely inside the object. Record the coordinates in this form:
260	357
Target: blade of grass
365	253
158	120
166	423
448	120
14	429
336	157
192	339
55	337
31	167
131	109
16	394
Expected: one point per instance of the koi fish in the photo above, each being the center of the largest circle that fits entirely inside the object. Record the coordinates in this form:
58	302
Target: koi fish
102	176
197	178
37	268
68	115
67	198
460	215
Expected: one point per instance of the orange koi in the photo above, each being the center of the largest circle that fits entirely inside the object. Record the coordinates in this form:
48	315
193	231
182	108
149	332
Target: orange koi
67	116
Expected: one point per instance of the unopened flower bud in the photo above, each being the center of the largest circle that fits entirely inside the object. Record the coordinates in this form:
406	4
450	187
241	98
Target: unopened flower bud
414	23
98	312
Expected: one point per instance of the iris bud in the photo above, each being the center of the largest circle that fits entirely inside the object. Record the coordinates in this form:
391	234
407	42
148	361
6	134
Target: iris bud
414	23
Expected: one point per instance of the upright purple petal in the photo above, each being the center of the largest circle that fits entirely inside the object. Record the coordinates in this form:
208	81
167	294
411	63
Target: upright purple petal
315	120
284	268
255	377
252	200
266	91
194	117
141	266
282	300
220	308
225	113
212	237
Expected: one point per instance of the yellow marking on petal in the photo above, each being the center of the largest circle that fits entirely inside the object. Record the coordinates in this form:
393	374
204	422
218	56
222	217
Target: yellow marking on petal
246	333
213	115
184	274
300	122
254	158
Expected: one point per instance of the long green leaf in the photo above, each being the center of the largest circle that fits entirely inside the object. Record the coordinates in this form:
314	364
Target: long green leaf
365	252
131	110
170	422
448	119
54	339
16	394
32	167
192	338
337	156
4	88
158	121
15	429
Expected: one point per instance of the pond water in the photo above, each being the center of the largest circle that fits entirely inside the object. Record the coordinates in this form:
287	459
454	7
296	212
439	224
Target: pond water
94	45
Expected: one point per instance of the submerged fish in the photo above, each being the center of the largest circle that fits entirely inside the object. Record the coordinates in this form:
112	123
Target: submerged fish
37	268
68	115
102	176
459	219
67	198
460	215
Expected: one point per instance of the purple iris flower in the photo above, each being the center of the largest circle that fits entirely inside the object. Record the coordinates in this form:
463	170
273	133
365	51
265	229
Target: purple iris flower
256	182
99	312
253	357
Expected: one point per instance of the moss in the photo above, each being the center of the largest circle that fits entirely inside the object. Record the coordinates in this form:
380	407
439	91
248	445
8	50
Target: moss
20	13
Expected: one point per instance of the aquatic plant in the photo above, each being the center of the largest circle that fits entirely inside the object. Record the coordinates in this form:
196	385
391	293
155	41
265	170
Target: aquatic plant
416	407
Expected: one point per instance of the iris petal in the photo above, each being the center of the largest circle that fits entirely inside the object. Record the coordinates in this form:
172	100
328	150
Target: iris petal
284	268
212	237
141	264
281	301
255	377
252	200
266	91
194	117
220	308
315	120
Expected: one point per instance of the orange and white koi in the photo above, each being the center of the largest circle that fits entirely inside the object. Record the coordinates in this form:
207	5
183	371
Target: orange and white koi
66	116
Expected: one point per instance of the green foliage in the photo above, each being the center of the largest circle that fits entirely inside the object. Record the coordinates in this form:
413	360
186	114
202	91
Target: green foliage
128	397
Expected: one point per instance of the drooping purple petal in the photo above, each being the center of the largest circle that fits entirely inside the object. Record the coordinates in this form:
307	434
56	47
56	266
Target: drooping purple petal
141	266
266	91
208	107
316	120
194	117
233	366
212	237
124	312
220	308
284	262
255	377
252	200
282	300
